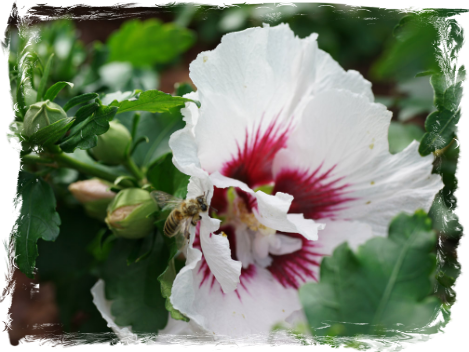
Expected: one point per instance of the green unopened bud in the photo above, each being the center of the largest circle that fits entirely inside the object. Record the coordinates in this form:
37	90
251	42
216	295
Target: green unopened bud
29	97
40	115
95	196
129	214
112	145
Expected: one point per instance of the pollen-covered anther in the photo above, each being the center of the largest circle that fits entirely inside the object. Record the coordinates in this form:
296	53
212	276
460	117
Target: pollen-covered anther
248	218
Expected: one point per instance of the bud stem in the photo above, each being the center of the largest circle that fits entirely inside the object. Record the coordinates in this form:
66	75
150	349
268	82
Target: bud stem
134	169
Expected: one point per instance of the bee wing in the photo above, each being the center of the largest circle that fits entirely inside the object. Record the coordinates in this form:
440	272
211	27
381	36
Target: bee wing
164	199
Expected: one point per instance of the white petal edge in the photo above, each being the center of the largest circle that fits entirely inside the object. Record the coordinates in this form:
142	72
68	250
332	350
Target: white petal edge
216	248
217	253
349	133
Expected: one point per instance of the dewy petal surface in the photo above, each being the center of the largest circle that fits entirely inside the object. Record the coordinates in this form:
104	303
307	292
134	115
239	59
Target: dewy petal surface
344	147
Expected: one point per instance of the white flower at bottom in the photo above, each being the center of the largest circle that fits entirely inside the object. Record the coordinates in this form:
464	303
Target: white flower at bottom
298	155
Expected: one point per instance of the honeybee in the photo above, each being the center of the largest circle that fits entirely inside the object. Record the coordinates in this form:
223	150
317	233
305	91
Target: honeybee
184	214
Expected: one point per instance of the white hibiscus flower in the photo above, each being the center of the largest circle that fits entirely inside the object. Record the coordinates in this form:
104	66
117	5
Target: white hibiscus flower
294	153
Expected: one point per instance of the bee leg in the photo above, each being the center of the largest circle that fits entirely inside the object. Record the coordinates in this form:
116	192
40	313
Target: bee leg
195	219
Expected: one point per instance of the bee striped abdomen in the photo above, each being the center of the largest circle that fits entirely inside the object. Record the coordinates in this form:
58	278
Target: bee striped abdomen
172	223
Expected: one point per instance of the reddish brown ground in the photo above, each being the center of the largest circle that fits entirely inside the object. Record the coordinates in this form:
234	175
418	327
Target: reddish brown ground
28	315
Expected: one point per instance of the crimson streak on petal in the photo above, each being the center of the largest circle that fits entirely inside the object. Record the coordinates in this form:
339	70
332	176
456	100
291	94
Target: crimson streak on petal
208	278
313	195
253	164
316	195
292	269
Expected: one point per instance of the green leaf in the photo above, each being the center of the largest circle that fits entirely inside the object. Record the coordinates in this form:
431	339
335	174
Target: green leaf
152	101
444	219
48	135
5	238
384	288
454	177
67	264
45	75
20	97
451	119
84	134
20	68
134	290
80	99
435	39
149	42
455	287
183	88
158	128
164	176
52	92
166	279
38	219
401	135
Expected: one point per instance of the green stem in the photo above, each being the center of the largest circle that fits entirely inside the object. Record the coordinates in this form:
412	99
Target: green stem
134	169
440	152
35	159
66	161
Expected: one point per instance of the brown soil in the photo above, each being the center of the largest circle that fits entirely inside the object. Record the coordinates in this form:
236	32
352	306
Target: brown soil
28	315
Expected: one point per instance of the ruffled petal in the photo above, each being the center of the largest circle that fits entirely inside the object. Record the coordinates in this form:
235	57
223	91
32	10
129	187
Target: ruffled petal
177	336
337	164
217	253
256	79
272	210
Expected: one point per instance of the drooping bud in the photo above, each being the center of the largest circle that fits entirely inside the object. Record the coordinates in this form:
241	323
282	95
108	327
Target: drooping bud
41	114
129	214
112	145
95	196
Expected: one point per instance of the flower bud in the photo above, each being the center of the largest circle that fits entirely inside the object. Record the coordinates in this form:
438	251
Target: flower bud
128	215
41	114
112	145
95	196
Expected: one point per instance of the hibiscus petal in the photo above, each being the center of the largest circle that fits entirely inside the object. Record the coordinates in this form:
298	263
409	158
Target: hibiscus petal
344	150
264	76
217	253
240	313
177	336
